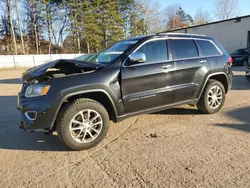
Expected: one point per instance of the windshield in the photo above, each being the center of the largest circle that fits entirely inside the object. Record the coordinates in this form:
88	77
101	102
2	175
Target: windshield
240	52
85	57
111	53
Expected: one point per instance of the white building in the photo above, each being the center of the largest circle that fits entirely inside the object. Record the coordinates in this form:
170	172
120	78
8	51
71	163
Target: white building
232	33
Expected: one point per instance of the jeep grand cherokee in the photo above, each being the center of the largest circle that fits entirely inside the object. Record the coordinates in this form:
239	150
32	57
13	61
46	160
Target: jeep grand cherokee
134	76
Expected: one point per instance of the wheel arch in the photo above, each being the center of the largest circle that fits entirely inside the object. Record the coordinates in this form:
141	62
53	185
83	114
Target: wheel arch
221	77
98	95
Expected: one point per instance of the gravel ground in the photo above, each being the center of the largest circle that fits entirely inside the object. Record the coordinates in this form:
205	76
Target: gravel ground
179	147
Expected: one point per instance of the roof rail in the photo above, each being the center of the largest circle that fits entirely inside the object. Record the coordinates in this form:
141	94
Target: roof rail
184	34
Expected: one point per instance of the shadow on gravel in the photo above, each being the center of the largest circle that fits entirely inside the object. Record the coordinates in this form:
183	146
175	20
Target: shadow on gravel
13	138
239	68
11	81
179	111
243	115
240	83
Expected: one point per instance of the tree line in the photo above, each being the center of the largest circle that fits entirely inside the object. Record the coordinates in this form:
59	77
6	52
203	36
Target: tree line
88	26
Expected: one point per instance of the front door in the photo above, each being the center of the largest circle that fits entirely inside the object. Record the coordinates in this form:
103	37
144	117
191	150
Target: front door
146	85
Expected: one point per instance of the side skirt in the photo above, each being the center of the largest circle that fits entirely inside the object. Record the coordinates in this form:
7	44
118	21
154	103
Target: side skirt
156	109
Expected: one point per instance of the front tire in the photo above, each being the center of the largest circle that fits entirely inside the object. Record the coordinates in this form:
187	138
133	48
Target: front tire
213	97
82	124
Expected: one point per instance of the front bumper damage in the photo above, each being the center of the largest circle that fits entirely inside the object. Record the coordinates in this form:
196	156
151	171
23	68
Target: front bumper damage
35	115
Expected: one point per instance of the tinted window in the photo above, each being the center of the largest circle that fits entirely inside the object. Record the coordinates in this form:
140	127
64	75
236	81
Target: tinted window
241	52
207	48
155	51
182	48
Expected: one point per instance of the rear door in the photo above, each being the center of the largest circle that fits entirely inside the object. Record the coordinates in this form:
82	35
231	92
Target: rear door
146	85
190	68
211	55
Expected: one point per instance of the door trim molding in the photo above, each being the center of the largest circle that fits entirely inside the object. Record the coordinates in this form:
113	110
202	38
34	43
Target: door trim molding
150	93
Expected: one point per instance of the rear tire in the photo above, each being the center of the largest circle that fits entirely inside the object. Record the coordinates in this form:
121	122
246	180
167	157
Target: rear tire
212	98
82	124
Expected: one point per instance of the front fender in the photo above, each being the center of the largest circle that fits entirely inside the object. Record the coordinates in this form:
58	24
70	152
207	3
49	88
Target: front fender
64	95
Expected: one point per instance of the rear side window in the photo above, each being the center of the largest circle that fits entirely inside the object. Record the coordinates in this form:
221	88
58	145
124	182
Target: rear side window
155	51
207	48
183	48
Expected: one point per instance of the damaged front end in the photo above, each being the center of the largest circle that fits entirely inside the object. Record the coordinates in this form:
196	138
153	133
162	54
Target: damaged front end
38	93
56	69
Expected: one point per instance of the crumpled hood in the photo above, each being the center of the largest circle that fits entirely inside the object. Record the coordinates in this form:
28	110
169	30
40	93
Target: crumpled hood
42	69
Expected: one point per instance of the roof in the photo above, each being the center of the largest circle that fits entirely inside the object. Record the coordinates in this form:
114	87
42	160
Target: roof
167	34
211	23
139	37
181	34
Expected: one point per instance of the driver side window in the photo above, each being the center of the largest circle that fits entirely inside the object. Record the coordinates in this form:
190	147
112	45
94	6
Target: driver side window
155	51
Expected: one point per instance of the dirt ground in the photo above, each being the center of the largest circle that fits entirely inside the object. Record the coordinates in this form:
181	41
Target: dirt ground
179	147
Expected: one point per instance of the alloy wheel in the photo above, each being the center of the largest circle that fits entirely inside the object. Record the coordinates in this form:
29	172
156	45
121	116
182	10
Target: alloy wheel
86	126
214	97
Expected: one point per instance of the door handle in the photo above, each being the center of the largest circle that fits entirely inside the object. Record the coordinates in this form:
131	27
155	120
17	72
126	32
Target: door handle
166	66
203	61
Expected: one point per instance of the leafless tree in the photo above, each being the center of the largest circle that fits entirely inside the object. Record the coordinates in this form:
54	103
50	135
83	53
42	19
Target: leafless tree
59	22
171	10
19	25
149	15
47	18
225	9
155	20
201	17
172	19
13	36
64	23
34	11
35	26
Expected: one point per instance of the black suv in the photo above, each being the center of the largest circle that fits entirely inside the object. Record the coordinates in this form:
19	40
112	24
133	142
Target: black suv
248	71
134	76
240	56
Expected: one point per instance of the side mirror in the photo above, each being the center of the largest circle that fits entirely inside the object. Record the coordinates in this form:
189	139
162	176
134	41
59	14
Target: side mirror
137	57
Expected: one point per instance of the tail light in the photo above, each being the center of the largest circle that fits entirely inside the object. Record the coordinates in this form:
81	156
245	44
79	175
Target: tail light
230	61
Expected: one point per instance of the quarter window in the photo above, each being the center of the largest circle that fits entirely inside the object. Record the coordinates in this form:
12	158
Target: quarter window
155	51
183	48
207	48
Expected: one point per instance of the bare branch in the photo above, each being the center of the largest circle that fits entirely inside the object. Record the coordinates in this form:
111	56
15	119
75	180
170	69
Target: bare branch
225	9
201	17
